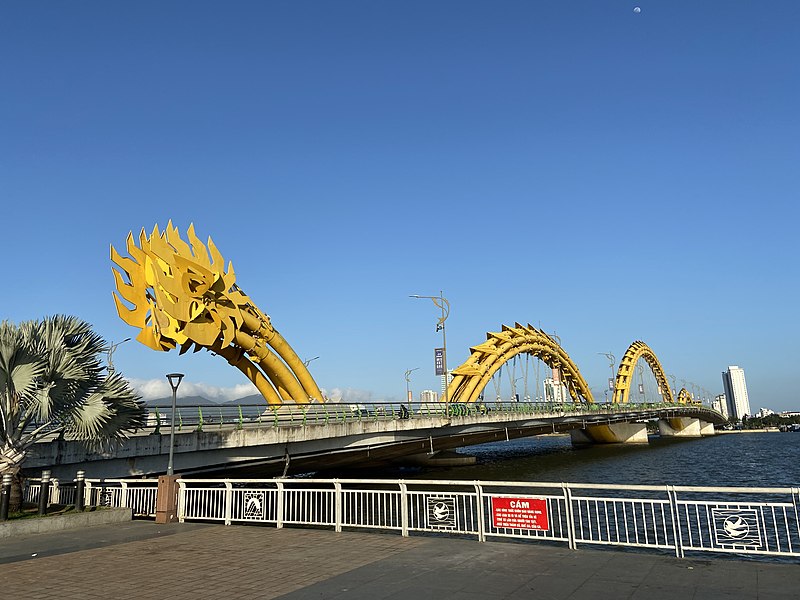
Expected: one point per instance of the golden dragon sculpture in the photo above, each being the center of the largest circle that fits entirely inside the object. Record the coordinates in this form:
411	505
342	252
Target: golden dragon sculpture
180	294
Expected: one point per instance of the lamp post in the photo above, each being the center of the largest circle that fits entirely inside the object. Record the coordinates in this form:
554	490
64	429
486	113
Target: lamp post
611	384
408	386
174	381
307	362
514	396
441	302
111	349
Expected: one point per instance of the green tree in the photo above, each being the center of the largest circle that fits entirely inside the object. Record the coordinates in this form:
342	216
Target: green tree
53	382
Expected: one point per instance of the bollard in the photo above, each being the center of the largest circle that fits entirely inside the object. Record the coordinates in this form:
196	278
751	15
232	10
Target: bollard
44	493
79	487
5	496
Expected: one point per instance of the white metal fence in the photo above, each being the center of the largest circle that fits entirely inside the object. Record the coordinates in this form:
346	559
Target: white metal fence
679	519
137	494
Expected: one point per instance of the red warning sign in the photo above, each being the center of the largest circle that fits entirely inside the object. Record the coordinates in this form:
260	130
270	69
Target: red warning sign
520	513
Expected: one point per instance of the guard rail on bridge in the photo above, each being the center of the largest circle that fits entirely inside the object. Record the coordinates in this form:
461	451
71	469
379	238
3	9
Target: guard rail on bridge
200	418
760	522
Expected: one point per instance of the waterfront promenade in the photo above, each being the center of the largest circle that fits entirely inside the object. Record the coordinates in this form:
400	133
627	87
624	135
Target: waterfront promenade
141	559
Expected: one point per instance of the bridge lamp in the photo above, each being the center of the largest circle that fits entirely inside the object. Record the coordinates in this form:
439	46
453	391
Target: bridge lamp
174	381
111	349
441	302
611	383
408	386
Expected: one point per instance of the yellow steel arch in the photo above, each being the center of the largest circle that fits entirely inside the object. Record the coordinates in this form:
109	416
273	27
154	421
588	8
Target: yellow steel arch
684	397
183	297
471	378
622	385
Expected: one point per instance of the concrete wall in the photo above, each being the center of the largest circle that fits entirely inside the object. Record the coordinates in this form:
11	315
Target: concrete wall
76	520
615	433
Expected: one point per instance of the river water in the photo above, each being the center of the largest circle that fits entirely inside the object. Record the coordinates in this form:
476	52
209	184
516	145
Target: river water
763	459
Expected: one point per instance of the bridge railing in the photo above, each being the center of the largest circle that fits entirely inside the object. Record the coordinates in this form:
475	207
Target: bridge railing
200	418
136	494
678	519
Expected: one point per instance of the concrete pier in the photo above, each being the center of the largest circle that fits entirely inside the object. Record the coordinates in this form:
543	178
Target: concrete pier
615	433
680	427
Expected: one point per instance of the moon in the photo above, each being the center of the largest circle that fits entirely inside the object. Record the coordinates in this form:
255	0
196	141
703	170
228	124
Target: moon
637	10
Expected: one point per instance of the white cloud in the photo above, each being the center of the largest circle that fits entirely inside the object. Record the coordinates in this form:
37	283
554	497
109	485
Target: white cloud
151	389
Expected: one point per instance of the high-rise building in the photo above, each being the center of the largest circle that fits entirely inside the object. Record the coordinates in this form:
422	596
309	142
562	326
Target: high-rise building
554	391
720	405
446	380
736	392
428	396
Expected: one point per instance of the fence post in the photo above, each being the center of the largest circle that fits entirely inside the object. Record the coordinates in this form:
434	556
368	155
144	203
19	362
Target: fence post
166	499
337	504
228	502
5	495
44	492
80	484
479	499
676	525
55	493
123	496
279	515
181	501
403	509
570	517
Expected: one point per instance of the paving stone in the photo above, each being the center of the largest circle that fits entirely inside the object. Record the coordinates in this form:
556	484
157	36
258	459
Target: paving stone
196	560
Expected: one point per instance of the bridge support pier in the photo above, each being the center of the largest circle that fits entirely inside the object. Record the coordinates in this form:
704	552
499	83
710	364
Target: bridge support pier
614	433
684	427
707	429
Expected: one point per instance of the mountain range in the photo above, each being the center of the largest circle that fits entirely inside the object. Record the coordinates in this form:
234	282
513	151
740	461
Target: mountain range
256	399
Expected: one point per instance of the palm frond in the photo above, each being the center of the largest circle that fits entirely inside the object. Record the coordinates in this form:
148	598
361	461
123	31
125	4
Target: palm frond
52	377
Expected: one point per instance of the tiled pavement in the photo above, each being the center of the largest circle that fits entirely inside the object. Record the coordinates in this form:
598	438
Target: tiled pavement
191	560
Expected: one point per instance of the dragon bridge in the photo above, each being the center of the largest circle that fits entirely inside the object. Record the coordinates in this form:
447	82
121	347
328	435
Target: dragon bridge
182	295
471	378
622	384
179	294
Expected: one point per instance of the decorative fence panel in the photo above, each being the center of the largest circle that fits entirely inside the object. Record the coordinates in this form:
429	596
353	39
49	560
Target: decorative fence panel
678	519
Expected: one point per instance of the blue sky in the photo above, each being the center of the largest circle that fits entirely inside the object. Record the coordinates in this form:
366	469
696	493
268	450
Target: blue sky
606	175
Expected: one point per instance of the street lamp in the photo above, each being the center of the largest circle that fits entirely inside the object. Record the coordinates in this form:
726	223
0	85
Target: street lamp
174	381
441	302
111	351
514	397
611	383
306	362
408	386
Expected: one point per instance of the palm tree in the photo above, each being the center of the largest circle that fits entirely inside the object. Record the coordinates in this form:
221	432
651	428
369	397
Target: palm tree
52	381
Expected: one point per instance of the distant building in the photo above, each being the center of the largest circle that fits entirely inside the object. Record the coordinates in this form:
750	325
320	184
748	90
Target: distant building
764	412
555	391
736	392
446	380
428	396
720	405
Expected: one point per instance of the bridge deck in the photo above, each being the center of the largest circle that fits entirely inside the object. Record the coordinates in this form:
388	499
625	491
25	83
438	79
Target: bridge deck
332	437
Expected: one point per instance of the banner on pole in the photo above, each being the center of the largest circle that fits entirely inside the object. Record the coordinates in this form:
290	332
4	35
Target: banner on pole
438	359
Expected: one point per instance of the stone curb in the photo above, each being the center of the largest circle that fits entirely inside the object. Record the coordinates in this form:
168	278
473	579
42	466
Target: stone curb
61	522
